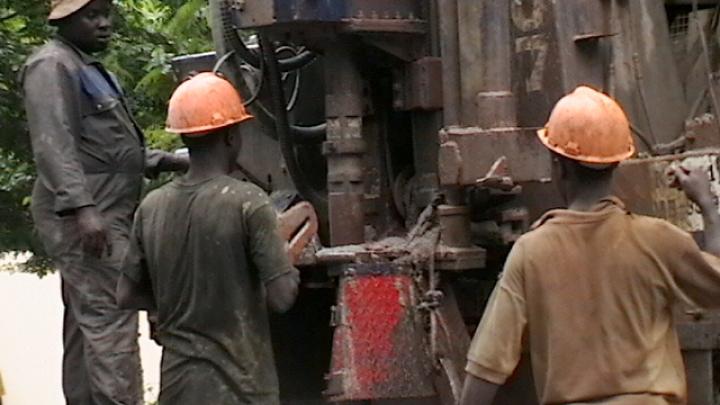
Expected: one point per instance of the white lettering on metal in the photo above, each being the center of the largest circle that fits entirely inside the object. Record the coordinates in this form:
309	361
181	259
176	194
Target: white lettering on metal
537	44
532	22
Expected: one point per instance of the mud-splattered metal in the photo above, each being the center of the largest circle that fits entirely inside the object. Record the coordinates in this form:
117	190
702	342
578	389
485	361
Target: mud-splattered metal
379	349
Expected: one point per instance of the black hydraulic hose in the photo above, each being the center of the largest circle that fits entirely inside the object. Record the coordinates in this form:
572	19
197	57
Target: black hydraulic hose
285	65
308	135
247	56
301	135
296	62
287	146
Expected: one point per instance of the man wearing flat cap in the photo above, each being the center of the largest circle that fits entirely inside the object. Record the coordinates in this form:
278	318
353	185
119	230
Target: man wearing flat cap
91	157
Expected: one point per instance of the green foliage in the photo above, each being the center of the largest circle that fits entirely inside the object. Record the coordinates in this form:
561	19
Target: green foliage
16	176
148	34
22	27
157	138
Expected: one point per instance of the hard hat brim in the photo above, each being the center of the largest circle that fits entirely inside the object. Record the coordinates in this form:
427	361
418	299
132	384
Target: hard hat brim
592	162
206	129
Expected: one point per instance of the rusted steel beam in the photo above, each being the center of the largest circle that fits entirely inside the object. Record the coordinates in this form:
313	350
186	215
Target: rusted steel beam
449	43
495	101
467	154
345	146
690	2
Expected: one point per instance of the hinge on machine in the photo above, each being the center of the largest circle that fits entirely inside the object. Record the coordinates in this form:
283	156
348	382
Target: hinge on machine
336	316
419	86
431	300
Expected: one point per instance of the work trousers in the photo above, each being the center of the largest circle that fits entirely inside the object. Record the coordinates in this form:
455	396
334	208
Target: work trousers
101	360
191	381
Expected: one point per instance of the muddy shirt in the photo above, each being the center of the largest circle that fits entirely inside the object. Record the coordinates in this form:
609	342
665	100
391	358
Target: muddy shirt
207	249
87	147
593	294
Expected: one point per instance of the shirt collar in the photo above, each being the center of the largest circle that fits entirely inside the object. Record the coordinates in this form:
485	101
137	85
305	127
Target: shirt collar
601	209
86	58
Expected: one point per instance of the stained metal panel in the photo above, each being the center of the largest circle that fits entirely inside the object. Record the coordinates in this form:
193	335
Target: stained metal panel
379	347
467	154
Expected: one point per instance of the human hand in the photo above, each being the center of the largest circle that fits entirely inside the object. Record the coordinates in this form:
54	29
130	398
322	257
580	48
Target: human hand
696	185
179	162
93	231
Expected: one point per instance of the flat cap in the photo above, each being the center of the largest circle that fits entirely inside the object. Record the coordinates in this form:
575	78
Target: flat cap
62	8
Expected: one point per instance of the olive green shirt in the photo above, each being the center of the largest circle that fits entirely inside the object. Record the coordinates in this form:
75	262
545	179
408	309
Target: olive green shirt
207	249
593	293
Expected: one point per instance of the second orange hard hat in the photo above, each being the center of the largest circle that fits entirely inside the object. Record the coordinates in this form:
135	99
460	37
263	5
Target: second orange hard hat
204	103
590	127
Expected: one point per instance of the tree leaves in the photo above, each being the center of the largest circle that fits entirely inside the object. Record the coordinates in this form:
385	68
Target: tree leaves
149	33
22	27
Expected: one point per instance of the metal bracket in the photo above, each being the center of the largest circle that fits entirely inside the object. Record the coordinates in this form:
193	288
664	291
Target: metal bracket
419	86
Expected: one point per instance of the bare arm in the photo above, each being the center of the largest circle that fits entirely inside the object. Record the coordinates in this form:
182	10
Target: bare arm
134	289
267	250
282	291
696	185
157	161
477	391
711	219
496	348
133	295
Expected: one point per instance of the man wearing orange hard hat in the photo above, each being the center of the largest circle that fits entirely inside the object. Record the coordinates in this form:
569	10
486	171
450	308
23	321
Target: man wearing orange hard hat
205	254
91	158
592	287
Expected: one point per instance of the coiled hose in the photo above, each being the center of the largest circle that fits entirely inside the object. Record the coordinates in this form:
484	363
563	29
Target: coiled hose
282	128
223	16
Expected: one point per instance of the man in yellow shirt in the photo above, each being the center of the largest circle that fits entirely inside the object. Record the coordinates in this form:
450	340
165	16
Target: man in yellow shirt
592	287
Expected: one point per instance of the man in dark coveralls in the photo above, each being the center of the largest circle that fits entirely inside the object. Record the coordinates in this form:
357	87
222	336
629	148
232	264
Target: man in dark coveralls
90	157
206	254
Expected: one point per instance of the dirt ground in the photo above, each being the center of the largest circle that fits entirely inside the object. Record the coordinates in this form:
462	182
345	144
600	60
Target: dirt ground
31	341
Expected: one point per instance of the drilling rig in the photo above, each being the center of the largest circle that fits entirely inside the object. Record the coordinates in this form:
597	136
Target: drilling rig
408	127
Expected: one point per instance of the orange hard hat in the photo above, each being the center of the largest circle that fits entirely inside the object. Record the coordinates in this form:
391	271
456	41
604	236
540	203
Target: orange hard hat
590	127
204	103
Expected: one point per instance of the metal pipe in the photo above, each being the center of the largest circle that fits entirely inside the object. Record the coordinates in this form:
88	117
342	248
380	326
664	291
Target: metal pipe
495	101
708	63
344	148
449	48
